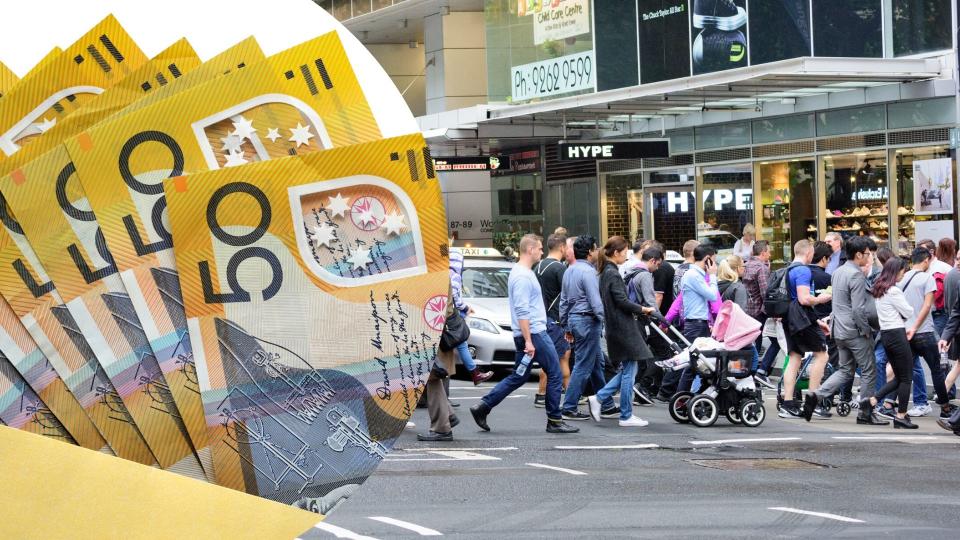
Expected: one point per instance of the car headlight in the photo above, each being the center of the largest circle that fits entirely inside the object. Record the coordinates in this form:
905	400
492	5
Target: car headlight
482	324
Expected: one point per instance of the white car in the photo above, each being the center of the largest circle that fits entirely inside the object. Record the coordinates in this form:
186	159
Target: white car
722	241
485	290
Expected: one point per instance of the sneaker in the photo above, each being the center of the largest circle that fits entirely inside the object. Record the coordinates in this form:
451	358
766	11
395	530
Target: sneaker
559	426
612	412
593	405
583	400
634	421
822	413
662	398
575	415
641	395
810	403
540	401
764	381
789	410
920	410
410	425
885	412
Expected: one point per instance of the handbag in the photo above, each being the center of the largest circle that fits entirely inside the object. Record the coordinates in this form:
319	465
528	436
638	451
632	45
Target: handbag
455	332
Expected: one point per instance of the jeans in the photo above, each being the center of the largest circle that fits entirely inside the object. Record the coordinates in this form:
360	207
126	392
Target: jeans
755	359
589	365
546	356
624	382
769	357
692	329
919	381
465	357
925	346
940	318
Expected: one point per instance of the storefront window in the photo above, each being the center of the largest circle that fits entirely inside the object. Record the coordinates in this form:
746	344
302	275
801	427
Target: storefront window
635	214
857	195
788	206
852	28
920	26
673	209
727	206
539	50
925	189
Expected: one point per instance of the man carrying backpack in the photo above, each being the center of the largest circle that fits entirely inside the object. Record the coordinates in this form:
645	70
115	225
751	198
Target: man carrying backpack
803	333
641	290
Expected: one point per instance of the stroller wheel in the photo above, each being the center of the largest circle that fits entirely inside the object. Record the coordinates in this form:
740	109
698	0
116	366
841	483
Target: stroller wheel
703	410
843	408
752	412
678	407
733	414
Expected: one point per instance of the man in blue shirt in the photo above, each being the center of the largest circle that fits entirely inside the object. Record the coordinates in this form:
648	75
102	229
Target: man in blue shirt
835	241
581	313
699	288
528	319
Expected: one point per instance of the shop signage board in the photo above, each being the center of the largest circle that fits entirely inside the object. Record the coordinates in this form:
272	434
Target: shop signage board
623	149
563	75
715	199
471	163
933	186
559	19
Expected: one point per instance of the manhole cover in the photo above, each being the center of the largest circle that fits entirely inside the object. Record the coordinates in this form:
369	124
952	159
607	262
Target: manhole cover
756	464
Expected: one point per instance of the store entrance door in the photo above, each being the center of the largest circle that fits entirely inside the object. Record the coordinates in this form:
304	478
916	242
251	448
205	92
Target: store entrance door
573	204
673	215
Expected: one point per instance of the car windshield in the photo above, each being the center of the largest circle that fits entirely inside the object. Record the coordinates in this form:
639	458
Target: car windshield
485	282
719	241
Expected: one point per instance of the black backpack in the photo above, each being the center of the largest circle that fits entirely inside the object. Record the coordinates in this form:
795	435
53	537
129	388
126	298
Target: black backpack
776	301
632	293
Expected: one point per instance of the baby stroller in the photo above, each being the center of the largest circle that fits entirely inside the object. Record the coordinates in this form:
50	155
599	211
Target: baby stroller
841	402
727	384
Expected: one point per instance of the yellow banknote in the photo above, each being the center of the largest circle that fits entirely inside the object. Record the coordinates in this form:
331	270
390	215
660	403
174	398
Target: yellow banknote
120	164
314	288
7	79
100	58
46	200
36	303
21	408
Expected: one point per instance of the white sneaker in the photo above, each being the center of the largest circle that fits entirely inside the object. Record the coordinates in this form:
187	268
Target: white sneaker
593	405
411	425
634	421
920	410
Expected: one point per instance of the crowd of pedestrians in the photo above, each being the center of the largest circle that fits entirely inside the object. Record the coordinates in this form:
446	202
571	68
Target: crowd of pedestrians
584	314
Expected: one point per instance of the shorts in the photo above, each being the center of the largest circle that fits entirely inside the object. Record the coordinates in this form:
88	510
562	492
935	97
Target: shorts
810	339
558	335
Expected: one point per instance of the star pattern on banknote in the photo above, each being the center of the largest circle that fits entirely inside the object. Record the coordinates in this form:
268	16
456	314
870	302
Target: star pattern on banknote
243	128
273	134
46	125
323	234
360	258
232	142
300	135
393	223
235	158
366	216
338	206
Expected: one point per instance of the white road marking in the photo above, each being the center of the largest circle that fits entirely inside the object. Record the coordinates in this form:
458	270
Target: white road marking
817	514
448	455
444	449
901	438
726	441
561	469
609	447
422	531
340	532
481	397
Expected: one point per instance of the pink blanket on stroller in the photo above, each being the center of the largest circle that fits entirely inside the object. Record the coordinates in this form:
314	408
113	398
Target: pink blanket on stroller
735	328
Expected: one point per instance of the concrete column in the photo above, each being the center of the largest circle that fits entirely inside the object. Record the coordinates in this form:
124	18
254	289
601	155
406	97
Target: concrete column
404	65
457	76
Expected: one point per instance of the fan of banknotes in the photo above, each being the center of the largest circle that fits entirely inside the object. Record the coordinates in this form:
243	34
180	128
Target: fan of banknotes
220	269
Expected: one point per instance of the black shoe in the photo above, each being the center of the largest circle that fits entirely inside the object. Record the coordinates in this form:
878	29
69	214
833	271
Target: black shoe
540	401
810	403
903	423
559	426
575	415
612	412
945	424
641	395
663	398
480	412
947	410
885	412
870	418
454	421
433	436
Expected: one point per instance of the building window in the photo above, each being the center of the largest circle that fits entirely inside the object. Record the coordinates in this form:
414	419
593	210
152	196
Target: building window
727	197
852	28
779	29
857	195
921	26
723	135
929	112
925	189
858	120
784	128
788	210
